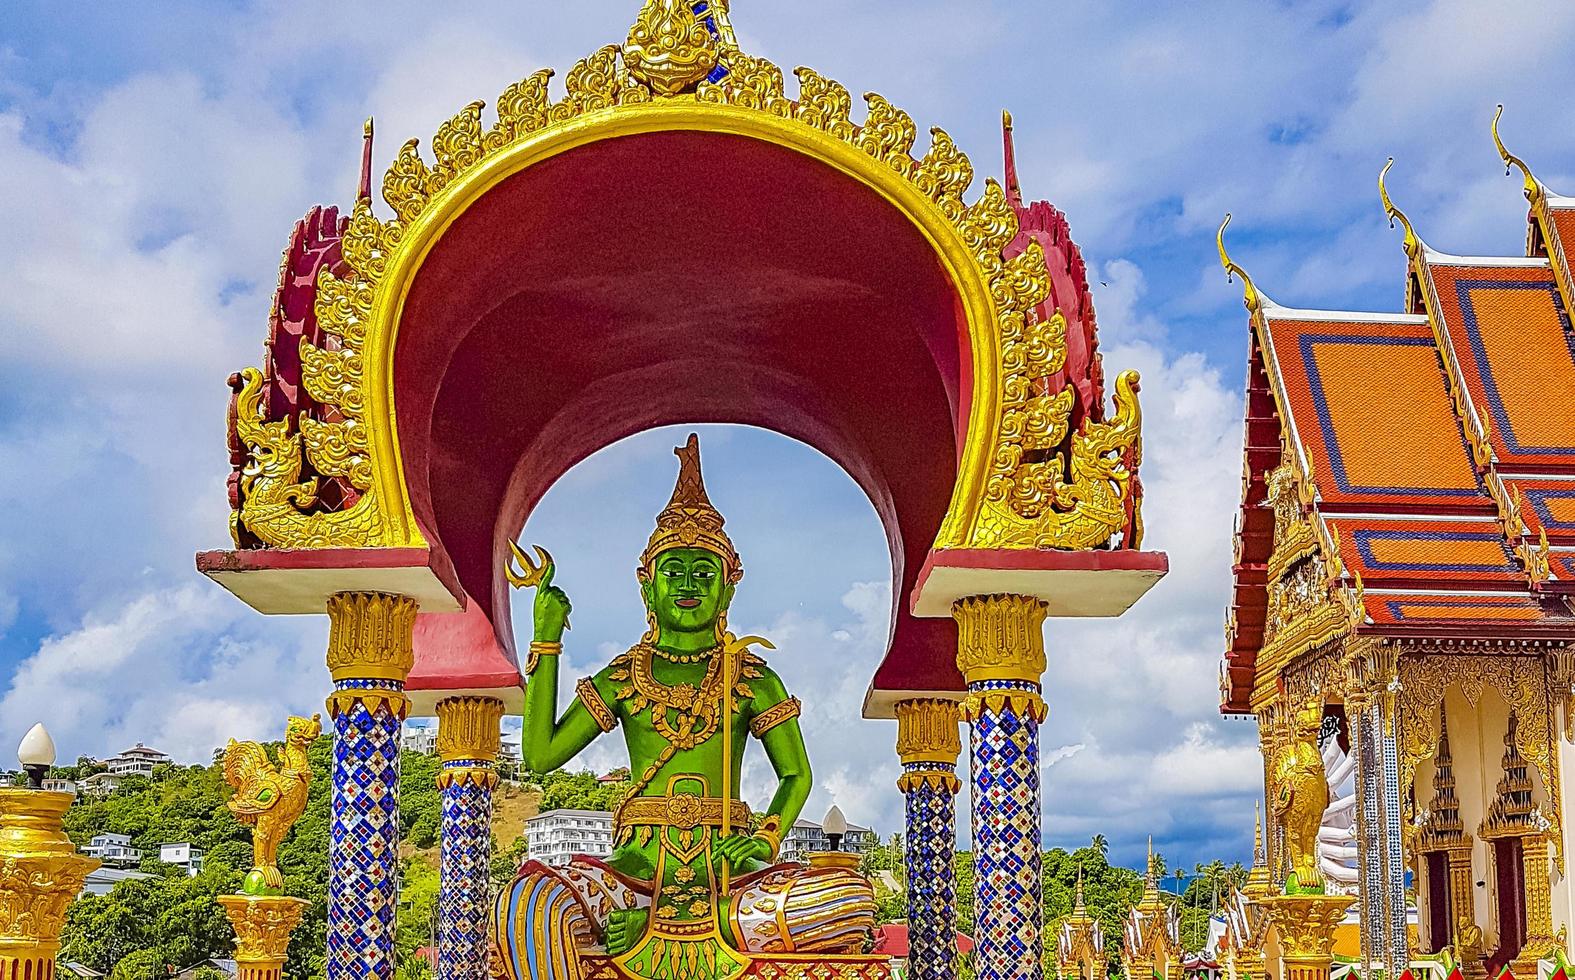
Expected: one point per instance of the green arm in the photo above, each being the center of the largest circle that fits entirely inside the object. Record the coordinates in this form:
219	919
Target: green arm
789	757
545	746
785	748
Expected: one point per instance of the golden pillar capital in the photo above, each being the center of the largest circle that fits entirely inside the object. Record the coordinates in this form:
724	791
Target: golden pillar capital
371	648
371	636
928	743
469	739
1000	638
1305	925
262	925
40	873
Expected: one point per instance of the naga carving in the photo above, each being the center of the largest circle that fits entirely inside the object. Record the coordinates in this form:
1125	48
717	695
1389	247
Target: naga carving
274	498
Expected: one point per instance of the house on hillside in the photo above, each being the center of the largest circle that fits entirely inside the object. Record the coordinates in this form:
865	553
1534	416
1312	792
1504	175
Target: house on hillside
558	835
184	856
114	850
98	785
104	880
422	739
139	760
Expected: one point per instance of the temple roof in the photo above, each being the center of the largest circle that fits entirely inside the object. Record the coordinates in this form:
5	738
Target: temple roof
1438	445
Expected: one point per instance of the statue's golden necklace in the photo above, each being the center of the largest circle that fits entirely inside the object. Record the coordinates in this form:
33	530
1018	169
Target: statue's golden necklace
684	715
685	658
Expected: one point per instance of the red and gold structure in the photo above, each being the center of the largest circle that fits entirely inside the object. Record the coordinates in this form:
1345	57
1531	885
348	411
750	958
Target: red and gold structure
40	874
407	417
1406	551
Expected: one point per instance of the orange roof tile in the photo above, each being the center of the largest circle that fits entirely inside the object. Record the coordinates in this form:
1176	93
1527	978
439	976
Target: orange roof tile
1511	337
1371	408
1546	505
1415	552
1407	608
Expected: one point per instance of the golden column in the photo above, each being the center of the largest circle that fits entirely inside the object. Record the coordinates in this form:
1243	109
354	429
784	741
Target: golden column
370	654
40	873
1001	653
928	746
468	741
262	925
1305	925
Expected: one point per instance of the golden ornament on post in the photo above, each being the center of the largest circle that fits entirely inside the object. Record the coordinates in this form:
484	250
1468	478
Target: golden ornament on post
1305	925
262	925
40	869
270	799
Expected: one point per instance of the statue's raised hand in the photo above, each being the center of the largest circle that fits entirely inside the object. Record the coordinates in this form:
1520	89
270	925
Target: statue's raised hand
552	608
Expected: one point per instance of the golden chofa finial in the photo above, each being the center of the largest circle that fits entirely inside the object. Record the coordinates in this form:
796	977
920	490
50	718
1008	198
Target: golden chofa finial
1412	243
1533	188
1250	296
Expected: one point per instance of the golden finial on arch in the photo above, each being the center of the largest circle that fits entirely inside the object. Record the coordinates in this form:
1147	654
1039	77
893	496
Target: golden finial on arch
1250	295
1533	186
1412	242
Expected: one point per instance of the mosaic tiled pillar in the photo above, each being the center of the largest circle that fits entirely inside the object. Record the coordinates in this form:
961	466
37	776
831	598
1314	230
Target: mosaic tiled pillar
467	744
928	745
369	655
1000	651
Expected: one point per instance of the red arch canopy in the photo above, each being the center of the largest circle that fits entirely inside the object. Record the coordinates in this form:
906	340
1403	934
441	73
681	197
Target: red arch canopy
674	277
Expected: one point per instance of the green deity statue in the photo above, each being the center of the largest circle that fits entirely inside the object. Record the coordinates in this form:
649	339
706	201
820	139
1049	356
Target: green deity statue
691	888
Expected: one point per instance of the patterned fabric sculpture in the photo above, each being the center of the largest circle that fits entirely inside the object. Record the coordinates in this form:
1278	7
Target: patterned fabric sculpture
689	891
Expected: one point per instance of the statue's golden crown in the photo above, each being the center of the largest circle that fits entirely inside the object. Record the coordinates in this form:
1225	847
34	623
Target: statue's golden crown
689	520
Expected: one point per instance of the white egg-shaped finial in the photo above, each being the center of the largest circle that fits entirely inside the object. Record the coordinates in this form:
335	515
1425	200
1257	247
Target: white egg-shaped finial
835	823
37	748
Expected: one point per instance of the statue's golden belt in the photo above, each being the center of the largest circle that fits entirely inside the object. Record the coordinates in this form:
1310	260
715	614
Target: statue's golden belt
684	811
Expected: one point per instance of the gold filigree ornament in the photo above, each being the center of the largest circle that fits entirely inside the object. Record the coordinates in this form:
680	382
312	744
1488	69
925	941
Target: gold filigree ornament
1024	480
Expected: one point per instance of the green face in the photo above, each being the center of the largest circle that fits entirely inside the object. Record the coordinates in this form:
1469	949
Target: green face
688	591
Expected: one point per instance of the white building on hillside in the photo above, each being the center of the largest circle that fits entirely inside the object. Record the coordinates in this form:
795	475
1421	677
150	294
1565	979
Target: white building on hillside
182	855
557	835
422	739
98	785
138	760
60	786
103	880
807	837
114	850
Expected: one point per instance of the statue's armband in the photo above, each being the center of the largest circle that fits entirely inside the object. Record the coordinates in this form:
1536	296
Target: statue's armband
774	716
604	717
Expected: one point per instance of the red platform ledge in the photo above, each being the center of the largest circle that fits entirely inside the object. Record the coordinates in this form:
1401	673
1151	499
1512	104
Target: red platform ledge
1072	583
290	583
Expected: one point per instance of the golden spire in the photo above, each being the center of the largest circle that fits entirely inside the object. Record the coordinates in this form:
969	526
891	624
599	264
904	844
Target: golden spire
1533	186
689	520
1077	896
1250	296
1412	243
1260	883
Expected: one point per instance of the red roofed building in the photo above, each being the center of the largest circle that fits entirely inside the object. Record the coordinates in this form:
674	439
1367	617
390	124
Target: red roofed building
1405	555
891	940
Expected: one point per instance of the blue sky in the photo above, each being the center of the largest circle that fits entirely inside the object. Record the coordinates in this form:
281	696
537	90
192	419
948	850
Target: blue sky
154	156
